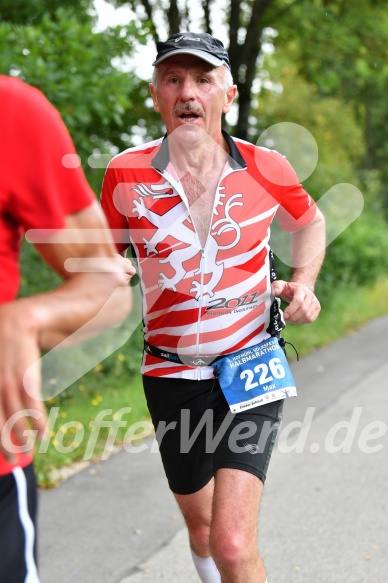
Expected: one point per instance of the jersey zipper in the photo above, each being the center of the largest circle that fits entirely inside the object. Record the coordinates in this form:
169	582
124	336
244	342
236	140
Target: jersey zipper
203	260
200	304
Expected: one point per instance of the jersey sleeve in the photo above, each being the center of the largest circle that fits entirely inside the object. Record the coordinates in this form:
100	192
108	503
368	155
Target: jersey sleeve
296	207
112	193
44	175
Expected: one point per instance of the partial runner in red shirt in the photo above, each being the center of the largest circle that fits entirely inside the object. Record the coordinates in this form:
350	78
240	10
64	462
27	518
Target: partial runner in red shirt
41	187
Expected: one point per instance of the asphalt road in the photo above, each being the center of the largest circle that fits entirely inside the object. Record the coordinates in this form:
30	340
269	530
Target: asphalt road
325	505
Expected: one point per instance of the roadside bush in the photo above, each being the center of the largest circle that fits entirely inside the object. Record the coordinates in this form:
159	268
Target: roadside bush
355	259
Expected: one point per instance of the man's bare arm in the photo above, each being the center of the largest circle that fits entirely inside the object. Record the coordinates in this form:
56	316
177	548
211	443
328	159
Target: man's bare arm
41	321
83	294
308	251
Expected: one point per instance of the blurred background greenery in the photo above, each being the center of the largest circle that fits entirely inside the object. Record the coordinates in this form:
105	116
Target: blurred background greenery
321	64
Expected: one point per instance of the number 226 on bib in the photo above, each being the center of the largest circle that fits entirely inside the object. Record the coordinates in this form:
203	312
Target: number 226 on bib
255	376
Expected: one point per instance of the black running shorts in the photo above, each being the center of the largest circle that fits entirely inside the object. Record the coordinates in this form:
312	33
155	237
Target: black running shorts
197	434
18	503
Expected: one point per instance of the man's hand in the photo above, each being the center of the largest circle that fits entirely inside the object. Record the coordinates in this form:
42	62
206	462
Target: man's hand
304	306
19	349
126	264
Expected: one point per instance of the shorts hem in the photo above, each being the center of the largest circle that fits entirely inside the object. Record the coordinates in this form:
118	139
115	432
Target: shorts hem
244	468
192	490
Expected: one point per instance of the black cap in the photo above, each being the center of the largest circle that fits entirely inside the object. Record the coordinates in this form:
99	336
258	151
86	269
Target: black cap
201	45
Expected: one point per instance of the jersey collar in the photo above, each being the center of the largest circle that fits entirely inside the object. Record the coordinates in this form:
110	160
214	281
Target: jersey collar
236	160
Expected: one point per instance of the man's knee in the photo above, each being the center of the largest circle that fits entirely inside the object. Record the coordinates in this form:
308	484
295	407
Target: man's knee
199	538
230	549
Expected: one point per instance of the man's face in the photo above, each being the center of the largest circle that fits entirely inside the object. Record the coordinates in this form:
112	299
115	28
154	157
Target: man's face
190	92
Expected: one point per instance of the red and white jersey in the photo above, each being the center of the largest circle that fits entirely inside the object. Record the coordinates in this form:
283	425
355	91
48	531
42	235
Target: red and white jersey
212	300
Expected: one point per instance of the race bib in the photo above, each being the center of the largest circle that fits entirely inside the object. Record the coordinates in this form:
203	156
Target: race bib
255	376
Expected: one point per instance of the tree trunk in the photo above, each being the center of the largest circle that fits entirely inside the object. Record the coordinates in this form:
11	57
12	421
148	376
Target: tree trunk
174	18
244	57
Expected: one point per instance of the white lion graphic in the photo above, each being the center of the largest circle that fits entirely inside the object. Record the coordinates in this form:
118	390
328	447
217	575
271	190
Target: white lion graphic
172	222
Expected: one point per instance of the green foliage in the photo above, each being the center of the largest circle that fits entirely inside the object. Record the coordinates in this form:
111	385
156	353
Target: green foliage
360	254
37	277
355	260
32	11
102	106
331	123
347	310
126	360
341	48
358	257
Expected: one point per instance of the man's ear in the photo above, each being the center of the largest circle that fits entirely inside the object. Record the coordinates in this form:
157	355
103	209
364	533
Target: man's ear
154	97
229	98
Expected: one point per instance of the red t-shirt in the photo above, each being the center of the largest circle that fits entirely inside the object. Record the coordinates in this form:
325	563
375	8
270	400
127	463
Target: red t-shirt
39	185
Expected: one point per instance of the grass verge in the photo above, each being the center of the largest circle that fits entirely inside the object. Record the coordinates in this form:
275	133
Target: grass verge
88	420
102	411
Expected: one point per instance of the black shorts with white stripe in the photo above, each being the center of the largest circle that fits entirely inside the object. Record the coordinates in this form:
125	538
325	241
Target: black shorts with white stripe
18	505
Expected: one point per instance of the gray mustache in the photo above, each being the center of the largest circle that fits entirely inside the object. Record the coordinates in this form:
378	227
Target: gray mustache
189	108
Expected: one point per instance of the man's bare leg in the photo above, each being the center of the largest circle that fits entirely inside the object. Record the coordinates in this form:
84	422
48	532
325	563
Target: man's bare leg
222	522
197	511
233	534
